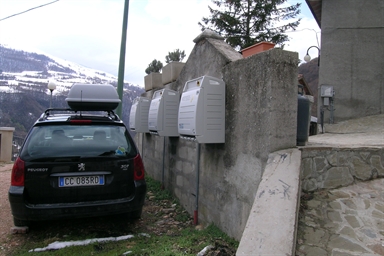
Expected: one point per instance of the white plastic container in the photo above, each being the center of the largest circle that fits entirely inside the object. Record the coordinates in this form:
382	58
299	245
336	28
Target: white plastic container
162	117
202	110
138	118
92	97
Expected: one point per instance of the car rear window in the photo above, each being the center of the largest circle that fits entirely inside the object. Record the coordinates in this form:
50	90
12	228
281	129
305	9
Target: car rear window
78	141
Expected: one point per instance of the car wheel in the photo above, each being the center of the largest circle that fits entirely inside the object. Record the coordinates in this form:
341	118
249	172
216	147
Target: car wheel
20	223
136	214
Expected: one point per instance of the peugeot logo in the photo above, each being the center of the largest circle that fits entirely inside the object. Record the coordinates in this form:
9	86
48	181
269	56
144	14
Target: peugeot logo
81	167
124	167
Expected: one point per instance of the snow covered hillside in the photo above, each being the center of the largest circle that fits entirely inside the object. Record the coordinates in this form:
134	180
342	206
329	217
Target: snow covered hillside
20	71
24	93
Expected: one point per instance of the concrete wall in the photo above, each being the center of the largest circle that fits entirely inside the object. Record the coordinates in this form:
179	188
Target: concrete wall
352	53
6	139
271	226
261	116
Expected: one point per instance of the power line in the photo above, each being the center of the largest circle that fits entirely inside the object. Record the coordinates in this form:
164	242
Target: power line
28	10
301	30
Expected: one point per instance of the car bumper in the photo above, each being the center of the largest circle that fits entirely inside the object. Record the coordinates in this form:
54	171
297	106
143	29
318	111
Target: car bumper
32	212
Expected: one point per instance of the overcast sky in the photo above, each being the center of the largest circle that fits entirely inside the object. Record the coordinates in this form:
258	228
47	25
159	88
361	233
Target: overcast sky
88	32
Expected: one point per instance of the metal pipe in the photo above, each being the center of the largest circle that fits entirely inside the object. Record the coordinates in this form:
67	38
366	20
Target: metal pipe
50	100
162	174
322	118
331	111
142	146
120	78
196	212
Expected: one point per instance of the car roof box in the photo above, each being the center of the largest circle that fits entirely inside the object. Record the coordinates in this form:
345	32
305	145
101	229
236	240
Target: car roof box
92	97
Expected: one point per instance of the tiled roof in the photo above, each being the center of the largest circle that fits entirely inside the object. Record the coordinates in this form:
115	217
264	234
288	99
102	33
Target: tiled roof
302	81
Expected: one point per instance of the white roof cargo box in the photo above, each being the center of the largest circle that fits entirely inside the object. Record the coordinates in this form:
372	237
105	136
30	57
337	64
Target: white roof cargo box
202	110
162	117
92	97
138	118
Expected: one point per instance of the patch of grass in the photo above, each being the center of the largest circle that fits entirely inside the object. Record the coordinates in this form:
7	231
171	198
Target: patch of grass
160	194
171	239
154	188
189	242
182	216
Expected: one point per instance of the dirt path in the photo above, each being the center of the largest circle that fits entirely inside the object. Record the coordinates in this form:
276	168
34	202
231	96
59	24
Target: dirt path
6	222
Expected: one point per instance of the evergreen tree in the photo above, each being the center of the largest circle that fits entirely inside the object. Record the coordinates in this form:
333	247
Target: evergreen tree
246	22
176	55
154	67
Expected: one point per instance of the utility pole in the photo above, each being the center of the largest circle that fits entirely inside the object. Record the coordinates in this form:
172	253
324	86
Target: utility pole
120	79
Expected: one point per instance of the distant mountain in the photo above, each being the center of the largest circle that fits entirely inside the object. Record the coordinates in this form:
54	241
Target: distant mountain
24	94
24	77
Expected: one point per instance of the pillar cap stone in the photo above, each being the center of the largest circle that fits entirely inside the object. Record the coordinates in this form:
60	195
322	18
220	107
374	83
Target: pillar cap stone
7	129
208	33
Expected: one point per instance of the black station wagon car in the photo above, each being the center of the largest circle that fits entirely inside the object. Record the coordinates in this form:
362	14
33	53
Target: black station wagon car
78	162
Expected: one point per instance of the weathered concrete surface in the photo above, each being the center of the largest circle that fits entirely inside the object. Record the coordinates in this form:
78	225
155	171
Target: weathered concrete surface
271	226
346	153
6	139
352	53
261	116
342	202
365	131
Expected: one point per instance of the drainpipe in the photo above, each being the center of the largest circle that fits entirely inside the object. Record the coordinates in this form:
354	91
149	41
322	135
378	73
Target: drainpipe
142	145
196	212
322	118
162	174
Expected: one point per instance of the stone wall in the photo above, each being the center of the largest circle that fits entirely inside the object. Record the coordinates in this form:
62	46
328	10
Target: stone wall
328	168
342	208
261	116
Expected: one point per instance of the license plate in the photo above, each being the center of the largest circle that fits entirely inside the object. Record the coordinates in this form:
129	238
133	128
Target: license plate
78	181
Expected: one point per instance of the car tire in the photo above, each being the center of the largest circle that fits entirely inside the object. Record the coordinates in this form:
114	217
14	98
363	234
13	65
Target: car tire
20	223
136	214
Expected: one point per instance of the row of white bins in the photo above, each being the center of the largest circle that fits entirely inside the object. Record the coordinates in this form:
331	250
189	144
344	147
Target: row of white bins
198	115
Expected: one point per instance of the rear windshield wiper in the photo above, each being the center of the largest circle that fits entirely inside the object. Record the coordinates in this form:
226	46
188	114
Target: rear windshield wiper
42	159
56	159
107	153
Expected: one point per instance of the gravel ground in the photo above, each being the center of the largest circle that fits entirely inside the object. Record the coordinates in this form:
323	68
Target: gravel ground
6	239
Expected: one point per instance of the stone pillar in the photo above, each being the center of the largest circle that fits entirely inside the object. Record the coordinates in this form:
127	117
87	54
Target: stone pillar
6	138
153	81
171	71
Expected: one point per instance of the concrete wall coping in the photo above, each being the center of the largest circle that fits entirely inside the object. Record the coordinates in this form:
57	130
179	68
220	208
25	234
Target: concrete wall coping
225	49
266	232
207	34
8	129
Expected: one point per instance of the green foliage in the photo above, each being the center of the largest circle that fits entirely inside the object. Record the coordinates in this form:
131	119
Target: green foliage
155	187
154	67
246	22
176	55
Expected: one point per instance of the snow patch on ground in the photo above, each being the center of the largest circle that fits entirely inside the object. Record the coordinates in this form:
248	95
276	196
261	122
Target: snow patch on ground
60	245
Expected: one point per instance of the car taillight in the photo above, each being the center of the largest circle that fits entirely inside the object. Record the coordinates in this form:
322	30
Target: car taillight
138	169
17	177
